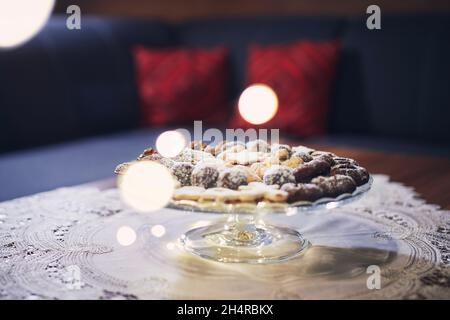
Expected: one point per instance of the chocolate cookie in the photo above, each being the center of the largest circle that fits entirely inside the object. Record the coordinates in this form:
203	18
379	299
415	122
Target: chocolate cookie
302	192
318	153
121	168
148	152
166	162
303	149
335	185
204	176
156	157
311	169
328	158
357	173
182	172
344	161
278	175
306	157
232	178
151	157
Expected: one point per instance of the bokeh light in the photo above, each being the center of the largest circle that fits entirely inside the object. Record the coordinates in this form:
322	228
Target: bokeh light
158	230
126	236
170	143
146	186
258	104
20	20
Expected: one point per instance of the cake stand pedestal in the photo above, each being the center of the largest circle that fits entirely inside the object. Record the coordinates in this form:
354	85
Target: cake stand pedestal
248	238
245	239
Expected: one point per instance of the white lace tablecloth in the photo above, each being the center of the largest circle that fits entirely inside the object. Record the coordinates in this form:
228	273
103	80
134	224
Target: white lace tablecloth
63	245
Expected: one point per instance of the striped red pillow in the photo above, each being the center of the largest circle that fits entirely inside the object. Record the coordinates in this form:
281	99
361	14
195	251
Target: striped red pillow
181	85
302	75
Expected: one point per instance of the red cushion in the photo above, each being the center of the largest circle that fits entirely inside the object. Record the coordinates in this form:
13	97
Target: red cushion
181	85
302	76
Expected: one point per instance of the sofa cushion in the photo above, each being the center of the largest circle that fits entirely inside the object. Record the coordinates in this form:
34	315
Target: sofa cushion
394	81
302	75
179	86
65	84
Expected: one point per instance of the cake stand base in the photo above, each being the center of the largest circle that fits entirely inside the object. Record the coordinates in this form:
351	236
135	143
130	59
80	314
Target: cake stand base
244	240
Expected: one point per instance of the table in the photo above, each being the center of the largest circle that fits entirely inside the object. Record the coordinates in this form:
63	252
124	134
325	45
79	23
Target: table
64	244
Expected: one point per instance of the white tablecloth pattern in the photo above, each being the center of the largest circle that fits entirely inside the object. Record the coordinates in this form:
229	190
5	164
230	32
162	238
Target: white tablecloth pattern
62	244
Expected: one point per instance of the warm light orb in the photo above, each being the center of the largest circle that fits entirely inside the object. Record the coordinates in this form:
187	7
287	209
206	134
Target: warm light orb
158	230
258	104
170	143
126	236
20	20
146	186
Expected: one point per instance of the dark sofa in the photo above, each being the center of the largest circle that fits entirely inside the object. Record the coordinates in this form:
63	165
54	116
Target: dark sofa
68	99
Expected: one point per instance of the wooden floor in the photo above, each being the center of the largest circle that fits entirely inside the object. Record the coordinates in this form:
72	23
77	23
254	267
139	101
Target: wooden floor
430	176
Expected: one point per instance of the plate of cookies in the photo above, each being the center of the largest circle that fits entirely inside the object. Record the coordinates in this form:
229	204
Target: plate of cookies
255	177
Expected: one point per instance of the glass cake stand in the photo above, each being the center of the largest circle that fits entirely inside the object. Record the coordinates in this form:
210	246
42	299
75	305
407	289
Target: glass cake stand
245	237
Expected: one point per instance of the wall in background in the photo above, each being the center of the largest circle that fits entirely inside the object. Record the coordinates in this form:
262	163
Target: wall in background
178	10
